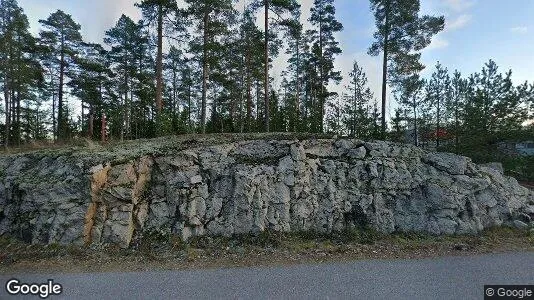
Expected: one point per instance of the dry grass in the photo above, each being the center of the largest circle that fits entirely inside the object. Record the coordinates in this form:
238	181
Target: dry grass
184	138
268	248
52	145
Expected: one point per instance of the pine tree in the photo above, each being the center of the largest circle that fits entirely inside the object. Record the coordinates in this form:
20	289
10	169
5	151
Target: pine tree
89	82
228	82
334	115
439	94
145	120
456	105
485	90
295	67
400	33
375	121
309	81
20	72
357	119
408	93
28	78
212	20
158	11
398	122
279	8
173	63
509	109
525	93
62	36
10	15
492	104
253	56
126	56
325	48
187	94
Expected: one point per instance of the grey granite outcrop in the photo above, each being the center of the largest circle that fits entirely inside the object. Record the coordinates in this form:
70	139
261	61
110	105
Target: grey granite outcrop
250	186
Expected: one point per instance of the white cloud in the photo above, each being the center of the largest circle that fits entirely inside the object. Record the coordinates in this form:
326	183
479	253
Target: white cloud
370	64
95	17
519	29
460	22
458	5
456	17
438	42
107	17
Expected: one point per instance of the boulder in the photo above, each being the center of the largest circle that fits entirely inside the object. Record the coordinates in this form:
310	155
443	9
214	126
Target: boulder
497	166
250	186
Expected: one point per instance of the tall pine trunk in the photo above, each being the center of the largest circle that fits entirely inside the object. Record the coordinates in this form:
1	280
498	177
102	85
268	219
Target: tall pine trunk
82	119
242	94
384	78
54	129
6	101
385	71
266	81
19	87
90	126
416	138
190	126
176	107
249	95
159	64
129	113
297	79
321	77
103	128
233	108
54	119
355	105
123	107
60	124
438	116
456	127
258	122
13	113
18	119
204	71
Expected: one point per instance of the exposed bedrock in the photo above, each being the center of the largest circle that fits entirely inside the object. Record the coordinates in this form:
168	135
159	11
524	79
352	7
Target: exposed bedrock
250	186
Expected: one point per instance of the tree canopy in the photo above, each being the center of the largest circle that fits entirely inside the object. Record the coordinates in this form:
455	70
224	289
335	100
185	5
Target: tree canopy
205	66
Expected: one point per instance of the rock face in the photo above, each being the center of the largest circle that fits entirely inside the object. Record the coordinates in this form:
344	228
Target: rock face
250	186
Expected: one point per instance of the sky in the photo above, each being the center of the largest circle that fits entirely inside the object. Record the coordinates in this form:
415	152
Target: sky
475	31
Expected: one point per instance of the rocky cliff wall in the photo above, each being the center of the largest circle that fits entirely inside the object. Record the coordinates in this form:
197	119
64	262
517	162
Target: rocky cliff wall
242	187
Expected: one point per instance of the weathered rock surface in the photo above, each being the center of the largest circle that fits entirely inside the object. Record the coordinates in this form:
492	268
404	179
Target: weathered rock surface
250	186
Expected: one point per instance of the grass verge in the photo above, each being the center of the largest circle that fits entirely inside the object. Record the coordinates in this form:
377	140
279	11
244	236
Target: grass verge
156	252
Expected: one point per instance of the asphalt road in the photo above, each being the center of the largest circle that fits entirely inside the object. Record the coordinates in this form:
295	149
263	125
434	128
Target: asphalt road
438	278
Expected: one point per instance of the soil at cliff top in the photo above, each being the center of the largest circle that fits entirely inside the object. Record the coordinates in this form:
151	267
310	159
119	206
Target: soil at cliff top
267	249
